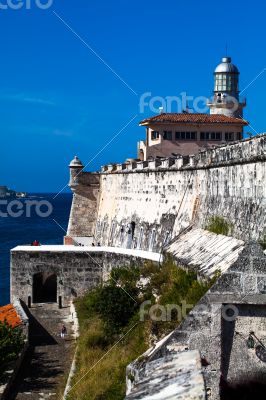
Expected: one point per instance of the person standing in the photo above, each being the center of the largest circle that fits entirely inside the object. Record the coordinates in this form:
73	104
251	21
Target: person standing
63	331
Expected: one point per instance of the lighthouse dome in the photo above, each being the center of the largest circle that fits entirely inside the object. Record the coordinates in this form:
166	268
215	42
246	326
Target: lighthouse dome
226	66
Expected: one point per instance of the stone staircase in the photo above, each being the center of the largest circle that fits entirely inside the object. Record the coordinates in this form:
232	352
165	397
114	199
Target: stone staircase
48	360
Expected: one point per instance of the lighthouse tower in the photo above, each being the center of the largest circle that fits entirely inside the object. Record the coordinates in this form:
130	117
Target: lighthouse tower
226	90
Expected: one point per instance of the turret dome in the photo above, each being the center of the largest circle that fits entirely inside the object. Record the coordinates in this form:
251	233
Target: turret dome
226	67
76	163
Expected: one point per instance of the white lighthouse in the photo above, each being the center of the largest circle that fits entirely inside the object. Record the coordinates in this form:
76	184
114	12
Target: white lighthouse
226	90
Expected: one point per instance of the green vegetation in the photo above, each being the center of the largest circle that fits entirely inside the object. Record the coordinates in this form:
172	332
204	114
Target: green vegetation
112	333
262	242
219	225
11	343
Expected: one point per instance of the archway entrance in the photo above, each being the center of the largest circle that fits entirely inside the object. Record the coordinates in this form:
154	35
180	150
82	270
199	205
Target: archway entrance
45	287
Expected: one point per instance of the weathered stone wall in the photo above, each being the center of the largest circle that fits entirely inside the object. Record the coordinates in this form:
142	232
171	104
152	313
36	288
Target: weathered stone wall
84	206
145	204
220	324
77	269
205	252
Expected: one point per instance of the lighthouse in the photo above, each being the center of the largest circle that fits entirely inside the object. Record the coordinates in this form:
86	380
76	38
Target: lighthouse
226	90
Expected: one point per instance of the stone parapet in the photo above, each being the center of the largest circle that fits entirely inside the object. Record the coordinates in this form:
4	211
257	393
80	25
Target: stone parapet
245	151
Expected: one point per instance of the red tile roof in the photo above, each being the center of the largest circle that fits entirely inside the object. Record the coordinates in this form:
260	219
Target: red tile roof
173	118
9	314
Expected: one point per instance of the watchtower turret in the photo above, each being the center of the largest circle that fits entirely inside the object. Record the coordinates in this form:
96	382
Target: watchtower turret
76	168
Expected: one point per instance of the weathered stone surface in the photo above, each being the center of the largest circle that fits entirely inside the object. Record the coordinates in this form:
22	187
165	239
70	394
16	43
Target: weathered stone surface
220	324
174	377
205	252
145	207
77	269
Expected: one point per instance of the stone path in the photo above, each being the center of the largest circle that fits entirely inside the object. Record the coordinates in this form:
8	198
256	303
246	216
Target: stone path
49	357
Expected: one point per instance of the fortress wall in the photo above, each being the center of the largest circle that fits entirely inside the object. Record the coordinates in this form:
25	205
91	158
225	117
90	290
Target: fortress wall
219	326
77	269
144	204
84	206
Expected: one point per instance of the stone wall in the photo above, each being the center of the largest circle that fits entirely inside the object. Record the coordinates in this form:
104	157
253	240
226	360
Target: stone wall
77	269
220	324
205	252
145	204
84	206
177	376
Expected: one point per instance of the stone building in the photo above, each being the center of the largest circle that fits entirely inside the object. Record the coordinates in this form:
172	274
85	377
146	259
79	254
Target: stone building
186	133
171	134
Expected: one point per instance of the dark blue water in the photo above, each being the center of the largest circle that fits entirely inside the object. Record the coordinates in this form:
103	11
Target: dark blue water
23	230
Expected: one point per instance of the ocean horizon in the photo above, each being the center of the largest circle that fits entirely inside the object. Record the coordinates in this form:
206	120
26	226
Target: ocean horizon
23	230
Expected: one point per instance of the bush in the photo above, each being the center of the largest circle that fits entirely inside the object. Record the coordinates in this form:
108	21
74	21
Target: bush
11	343
117	301
111	333
218	225
262	242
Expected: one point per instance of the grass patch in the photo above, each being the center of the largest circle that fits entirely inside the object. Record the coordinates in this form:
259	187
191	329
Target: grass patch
219	225
111	332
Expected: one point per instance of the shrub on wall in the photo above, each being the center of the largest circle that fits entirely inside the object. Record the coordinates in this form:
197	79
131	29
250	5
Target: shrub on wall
11	343
218	225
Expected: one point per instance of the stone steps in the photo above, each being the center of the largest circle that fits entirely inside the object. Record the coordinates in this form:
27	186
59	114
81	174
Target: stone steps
49	357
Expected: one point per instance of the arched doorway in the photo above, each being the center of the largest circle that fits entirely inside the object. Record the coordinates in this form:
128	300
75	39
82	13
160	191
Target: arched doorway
45	287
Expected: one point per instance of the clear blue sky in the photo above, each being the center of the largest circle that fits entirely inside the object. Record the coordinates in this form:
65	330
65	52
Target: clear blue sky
57	99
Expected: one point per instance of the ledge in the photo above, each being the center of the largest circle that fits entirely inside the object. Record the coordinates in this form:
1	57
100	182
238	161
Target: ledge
148	255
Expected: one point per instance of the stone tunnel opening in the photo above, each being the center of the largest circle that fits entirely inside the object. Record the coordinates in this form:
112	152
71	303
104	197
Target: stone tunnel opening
45	288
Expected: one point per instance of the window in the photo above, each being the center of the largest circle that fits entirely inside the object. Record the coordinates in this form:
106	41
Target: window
226	82
204	135
167	135
186	136
210	135
155	135
229	136
215	135
239	135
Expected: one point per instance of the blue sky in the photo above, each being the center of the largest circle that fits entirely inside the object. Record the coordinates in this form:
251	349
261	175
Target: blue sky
59	99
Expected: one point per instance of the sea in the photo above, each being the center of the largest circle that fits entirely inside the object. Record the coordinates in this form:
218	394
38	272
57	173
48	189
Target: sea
41	217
